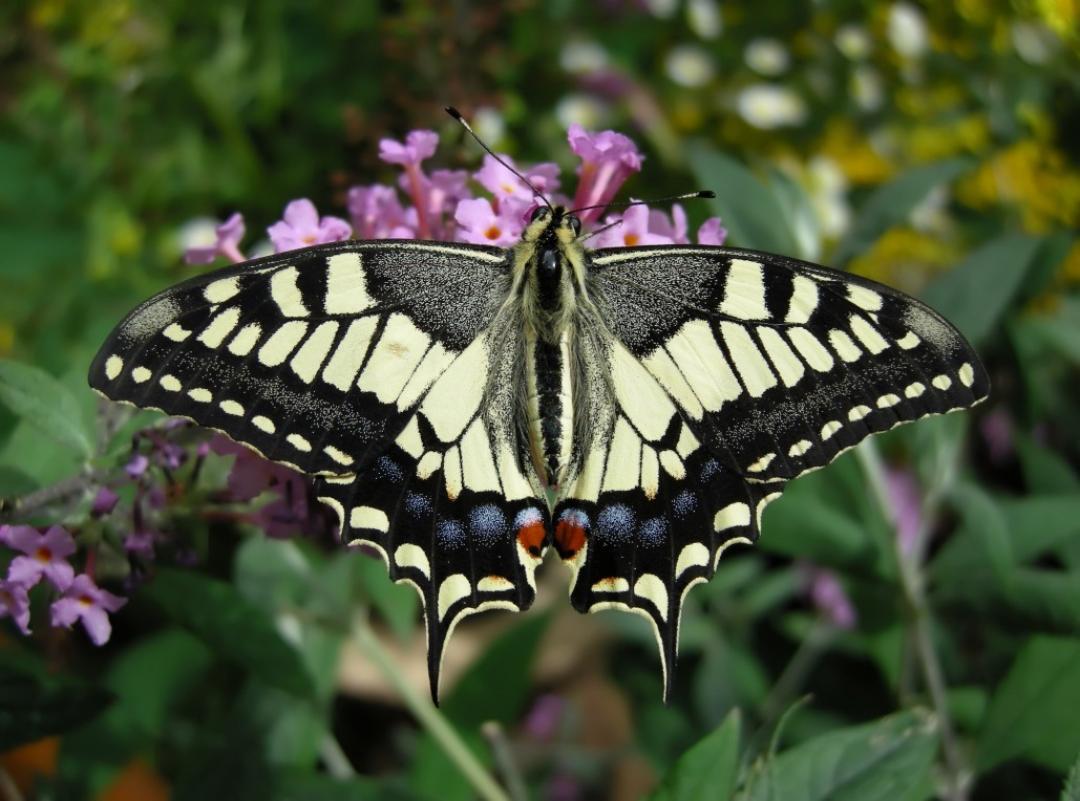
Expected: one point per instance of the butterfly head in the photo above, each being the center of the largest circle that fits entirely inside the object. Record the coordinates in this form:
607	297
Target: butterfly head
550	225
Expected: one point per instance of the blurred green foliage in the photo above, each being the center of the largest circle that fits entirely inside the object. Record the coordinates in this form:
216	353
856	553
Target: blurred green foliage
929	146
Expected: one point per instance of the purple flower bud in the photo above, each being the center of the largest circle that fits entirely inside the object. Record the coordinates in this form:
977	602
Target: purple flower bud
83	600
905	497
827	594
104	502
137	466
169	455
998	434
543	720
229	234
418	145
45	555
15	603
609	158
140	543
302	227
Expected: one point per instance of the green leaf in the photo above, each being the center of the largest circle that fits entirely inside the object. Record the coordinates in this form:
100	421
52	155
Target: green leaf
889	759
396	604
1044	470
1039	523
709	769
45	403
304	786
891	203
35	705
235	629
1071	790
753	216
1033	711
976	293
983	537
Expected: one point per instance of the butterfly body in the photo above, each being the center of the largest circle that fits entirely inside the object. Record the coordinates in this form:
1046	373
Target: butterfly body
442	393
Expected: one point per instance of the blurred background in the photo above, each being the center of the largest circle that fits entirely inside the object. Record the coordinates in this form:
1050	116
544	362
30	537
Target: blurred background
908	626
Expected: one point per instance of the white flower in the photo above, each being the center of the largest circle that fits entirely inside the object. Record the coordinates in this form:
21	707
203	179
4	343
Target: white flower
766	105
853	41
200	232
704	18
581	55
585	110
867	88
489	124
662	8
1034	43
689	65
827	186
767	57
931	213
907	30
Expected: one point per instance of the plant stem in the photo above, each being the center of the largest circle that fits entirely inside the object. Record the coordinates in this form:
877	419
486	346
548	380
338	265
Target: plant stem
504	759
913	583
333	756
428	715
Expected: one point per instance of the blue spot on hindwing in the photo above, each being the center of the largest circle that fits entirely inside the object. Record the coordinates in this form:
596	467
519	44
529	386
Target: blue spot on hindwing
487	523
450	533
654	531
616	522
709	469
684	504
417	505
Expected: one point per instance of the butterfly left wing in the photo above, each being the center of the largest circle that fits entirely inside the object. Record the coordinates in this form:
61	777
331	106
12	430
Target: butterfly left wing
367	364
733	372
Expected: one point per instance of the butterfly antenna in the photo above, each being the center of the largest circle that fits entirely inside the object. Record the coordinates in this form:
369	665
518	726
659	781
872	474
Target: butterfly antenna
591	234
705	193
453	112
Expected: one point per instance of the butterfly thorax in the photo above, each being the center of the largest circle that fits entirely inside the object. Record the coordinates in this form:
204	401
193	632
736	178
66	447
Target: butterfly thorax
550	275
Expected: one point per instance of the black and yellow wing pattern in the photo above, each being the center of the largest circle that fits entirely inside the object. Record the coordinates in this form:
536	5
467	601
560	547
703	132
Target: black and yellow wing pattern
365	364
733	372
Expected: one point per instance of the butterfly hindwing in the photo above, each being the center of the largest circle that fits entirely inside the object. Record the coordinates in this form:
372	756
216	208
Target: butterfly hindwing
732	373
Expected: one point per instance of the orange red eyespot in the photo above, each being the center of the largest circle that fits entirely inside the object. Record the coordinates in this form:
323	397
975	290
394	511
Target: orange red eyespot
531	533
571	532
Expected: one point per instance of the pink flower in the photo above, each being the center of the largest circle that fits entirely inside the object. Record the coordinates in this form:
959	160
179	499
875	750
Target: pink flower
376	213
15	603
632	230
83	600
673	227
229	234
609	158
503	184
480	224
712	232
302	227
906	500
418	145
827	594
46	555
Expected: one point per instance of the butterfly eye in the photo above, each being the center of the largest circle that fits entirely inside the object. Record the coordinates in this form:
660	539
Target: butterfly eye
539	213
574	223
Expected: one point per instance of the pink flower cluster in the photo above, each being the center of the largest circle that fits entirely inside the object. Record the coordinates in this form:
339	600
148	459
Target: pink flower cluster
442	204
44	555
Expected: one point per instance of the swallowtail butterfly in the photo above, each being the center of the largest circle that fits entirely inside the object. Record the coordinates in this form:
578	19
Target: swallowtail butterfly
465	407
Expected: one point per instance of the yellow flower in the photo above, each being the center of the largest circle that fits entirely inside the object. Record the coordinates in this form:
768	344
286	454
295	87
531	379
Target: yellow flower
1034	177
905	258
854	155
1061	15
